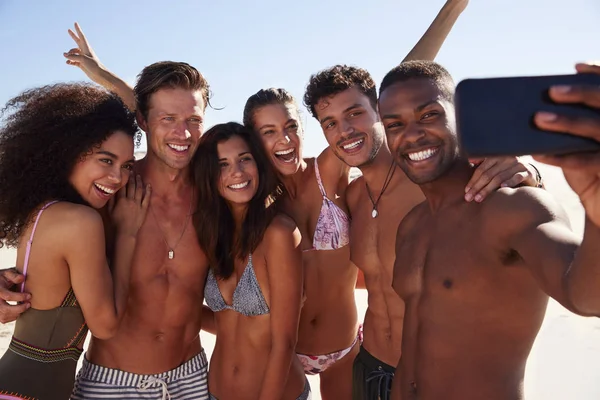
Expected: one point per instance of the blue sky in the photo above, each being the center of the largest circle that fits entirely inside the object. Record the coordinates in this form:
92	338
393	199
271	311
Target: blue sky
241	46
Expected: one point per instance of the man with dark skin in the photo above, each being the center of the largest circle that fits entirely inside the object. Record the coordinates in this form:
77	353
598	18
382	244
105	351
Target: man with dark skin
343	99
474	277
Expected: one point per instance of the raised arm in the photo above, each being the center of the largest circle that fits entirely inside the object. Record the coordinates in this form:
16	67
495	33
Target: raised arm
102	292
284	269
84	57
432	40
582	172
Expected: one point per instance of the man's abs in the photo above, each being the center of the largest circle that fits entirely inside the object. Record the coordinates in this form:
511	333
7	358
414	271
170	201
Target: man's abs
382	331
159	332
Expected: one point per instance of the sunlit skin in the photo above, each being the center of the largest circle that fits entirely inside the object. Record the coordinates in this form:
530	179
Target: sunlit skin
176	120
239	175
460	263
160	330
281	133
346	117
249	360
416	125
351	126
350	114
106	170
329	320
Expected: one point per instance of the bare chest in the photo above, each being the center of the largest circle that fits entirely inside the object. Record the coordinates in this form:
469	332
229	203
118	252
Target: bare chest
446	255
372	239
167	251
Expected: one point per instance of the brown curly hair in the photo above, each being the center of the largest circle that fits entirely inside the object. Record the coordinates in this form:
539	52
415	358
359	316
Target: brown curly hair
44	132
336	79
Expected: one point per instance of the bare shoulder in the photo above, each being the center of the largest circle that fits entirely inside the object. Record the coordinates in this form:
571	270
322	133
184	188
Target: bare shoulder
332	168
414	217
354	191
75	216
282	229
74	226
523	205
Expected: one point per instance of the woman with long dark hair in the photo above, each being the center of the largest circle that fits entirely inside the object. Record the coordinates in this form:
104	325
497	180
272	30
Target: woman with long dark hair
254	286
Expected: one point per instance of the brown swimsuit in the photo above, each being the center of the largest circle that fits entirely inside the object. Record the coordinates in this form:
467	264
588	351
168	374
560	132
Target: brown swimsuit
42	357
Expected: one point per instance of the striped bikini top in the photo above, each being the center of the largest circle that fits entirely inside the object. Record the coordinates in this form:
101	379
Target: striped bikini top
333	225
248	299
50	335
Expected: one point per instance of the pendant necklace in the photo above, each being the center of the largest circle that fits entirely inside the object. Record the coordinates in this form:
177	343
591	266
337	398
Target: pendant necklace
387	181
171	253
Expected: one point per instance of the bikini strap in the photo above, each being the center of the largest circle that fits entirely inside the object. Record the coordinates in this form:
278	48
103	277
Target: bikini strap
319	182
30	241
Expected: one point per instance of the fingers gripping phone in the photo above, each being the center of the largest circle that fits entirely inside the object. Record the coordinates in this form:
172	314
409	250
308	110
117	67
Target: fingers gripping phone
494	116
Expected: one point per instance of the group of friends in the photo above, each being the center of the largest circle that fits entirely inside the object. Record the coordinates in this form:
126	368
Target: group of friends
459	257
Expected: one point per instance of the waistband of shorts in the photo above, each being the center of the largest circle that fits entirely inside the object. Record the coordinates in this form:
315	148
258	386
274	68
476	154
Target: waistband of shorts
116	377
373	363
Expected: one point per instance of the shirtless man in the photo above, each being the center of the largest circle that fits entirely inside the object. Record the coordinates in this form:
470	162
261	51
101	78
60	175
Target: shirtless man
582	172
343	99
157	349
475	277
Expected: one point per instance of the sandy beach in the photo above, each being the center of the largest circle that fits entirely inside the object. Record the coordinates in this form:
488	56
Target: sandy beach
565	361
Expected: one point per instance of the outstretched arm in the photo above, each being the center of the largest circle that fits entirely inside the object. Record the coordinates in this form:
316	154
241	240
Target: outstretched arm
538	229
84	57
432	40
582	172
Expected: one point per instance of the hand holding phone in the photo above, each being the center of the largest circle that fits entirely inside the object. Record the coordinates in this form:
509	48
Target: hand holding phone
495	117
581	170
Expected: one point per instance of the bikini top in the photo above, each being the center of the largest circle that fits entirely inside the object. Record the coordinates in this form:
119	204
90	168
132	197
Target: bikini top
248	299
333	226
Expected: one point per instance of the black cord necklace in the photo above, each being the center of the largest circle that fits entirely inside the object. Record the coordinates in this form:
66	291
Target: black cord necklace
387	181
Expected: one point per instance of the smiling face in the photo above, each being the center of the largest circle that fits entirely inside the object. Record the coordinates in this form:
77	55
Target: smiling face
174	125
238	180
99	175
278	126
351	126
420	127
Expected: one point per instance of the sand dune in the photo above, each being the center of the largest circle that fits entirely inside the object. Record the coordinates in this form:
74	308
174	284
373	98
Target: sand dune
565	361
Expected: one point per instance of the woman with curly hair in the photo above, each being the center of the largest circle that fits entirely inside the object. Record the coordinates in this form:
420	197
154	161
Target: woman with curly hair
254	285
65	150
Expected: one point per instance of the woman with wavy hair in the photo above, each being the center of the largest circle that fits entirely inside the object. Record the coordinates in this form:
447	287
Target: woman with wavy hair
65	151
254	285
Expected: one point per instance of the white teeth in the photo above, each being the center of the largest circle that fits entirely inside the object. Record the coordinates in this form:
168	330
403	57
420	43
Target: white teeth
240	185
353	144
178	148
284	152
422	155
105	189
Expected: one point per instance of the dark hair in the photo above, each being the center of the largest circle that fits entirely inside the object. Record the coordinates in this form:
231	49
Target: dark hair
336	79
265	97
168	74
44	132
213	220
421	69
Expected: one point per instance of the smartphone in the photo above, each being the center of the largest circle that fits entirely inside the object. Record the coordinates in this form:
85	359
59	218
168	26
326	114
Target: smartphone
494	117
